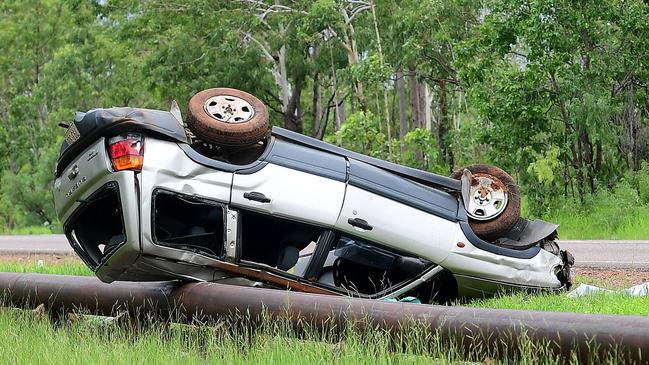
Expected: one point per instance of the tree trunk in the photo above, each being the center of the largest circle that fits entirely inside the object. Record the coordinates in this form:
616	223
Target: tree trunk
349	43
587	148
577	164
340	112
414	98
327	112
282	80
598	157
13	167
428	103
443	125
388	121
422	105
316	106
292	116
403	122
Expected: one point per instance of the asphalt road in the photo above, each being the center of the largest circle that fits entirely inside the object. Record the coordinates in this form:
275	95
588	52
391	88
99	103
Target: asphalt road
37	244
609	254
590	254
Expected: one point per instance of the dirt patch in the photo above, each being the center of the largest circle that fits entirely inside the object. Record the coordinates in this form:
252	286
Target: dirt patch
612	278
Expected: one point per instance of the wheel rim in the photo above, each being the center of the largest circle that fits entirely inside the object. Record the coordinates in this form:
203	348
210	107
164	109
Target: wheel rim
229	109
487	197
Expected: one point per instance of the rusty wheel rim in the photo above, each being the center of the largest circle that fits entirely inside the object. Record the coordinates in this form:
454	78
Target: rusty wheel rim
487	197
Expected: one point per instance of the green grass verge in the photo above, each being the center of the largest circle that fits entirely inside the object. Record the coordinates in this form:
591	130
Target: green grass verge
601	303
65	267
30	338
33	230
597	304
621	213
632	224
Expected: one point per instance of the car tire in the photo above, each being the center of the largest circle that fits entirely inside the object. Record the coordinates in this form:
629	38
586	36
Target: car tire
491	184
228	117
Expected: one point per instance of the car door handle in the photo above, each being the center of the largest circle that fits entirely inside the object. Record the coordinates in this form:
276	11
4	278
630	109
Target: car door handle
256	196
360	223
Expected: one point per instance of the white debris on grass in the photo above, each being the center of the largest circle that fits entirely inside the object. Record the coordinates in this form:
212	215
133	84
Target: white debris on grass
640	290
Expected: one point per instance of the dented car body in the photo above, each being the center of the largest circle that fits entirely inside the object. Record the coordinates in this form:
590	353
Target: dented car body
290	212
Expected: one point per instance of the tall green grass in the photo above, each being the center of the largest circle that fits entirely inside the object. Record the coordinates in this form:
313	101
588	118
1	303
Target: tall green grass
27	338
621	213
52	229
589	226
601	303
65	267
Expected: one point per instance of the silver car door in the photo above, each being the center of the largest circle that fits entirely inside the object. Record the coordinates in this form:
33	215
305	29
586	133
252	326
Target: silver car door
168	168
398	213
296	183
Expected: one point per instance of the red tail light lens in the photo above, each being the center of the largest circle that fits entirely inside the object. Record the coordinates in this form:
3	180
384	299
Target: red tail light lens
127	152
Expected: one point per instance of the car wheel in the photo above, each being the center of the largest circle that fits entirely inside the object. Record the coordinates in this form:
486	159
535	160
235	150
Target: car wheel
227	117
494	204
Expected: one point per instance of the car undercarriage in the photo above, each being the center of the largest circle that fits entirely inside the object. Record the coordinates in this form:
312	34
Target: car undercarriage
143	199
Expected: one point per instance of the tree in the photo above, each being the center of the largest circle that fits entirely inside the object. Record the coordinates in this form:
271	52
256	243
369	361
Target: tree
31	33
548	73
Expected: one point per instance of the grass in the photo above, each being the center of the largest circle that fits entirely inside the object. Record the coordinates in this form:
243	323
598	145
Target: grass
595	304
27	337
30	338
620	213
32	230
601	303
632	224
62	267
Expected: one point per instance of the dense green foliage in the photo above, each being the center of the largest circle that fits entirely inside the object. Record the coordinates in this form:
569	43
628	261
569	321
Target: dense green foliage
551	90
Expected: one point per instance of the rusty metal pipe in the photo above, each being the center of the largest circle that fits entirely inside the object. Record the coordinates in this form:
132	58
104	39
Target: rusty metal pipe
469	327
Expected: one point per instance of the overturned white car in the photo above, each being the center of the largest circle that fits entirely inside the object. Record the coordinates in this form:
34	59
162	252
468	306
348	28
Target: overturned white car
142	199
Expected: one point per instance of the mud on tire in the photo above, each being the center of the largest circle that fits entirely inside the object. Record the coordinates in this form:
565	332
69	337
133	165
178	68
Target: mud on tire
501	224
228	117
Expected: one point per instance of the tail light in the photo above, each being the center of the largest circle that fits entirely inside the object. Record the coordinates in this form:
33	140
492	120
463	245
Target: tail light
127	151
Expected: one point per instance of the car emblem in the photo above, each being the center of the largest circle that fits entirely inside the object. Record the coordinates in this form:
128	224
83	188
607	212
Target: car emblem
76	186
74	172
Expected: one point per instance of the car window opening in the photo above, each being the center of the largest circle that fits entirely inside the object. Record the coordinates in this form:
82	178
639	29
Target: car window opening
361	267
234	155
352	265
440	290
188	223
284	245
98	230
